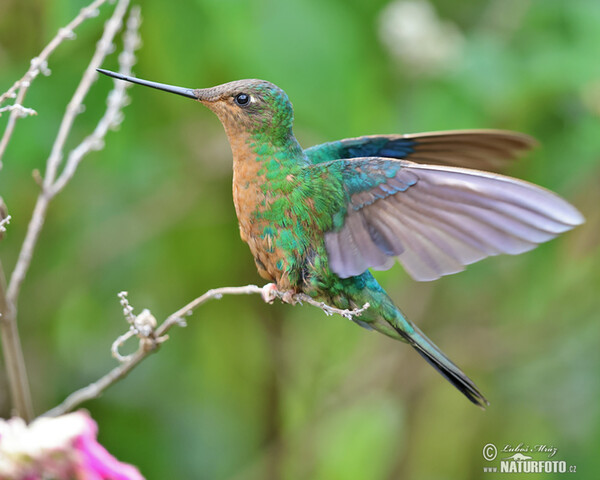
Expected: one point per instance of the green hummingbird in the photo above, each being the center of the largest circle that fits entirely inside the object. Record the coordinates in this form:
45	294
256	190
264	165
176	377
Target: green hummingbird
317	219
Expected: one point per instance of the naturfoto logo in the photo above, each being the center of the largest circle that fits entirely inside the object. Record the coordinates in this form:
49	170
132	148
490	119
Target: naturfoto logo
522	459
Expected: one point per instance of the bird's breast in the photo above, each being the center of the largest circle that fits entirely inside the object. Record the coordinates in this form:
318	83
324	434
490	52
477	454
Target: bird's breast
259	228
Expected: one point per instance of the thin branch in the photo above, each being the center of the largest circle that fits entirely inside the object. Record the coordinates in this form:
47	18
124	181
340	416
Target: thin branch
151	337
40	64
95	389
36	223
11	344
3	223
270	292
117	99
13	357
103	48
20	110
17	375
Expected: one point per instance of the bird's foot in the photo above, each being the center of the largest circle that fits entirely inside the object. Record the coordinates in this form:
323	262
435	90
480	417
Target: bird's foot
270	292
288	297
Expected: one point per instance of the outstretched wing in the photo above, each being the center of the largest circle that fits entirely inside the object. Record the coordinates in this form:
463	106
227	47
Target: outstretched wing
436	219
490	150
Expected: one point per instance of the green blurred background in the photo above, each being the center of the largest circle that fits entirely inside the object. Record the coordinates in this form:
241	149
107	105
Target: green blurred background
250	391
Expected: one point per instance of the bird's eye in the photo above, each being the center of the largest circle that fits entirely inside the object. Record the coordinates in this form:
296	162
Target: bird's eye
242	99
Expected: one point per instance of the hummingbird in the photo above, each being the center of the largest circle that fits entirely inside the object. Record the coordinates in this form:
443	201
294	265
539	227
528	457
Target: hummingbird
318	219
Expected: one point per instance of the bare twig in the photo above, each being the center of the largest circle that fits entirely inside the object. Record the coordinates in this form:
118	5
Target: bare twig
151	337
142	326
329	310
4	219
270	292
117	99
95	389
13	356
40	64
3	223
50	184
20	110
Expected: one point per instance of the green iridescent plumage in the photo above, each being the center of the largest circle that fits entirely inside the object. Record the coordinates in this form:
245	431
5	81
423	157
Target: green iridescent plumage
317	220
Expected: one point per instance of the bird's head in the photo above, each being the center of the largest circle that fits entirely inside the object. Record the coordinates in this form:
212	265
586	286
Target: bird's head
252	107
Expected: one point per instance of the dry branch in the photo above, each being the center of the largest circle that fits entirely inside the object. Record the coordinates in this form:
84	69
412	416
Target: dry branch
151	336
40	64
54	181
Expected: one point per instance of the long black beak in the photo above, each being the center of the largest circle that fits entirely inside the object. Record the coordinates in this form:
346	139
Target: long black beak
186	92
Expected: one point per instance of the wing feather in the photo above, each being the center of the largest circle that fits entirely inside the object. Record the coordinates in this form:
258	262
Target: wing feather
437	219
490	149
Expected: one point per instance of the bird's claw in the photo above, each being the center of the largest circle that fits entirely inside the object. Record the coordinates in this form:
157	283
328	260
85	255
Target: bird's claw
288	297
270	292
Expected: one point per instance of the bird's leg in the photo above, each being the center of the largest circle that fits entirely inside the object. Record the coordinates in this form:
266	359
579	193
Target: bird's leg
270	292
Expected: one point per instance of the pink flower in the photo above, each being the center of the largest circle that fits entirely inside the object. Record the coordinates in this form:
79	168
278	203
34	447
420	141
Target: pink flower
62	448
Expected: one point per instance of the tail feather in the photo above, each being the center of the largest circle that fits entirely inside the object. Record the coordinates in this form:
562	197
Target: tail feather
436	358
385	317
